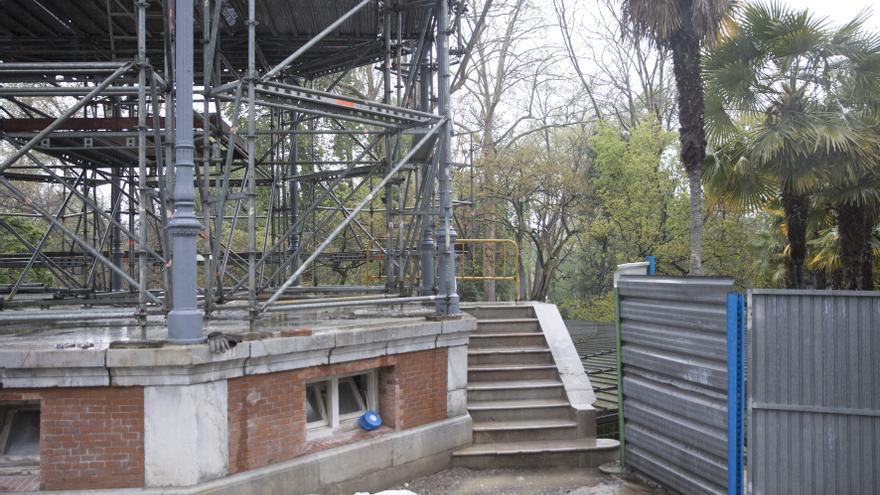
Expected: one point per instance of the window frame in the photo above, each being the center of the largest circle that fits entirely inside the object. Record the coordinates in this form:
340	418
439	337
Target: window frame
322	407
333	421
24	461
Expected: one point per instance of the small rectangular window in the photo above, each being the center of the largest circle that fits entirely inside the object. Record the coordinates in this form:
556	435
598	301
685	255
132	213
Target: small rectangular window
23	438
316	404
352	396
338	402
20	436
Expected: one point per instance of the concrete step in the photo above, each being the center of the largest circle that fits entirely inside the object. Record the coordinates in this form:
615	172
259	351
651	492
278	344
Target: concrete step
516	339
497	312
497	372
508	325
509	355
515	389
587	452
521	430
519	409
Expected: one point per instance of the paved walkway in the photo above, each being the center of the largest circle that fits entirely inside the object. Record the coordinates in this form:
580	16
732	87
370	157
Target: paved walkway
582	481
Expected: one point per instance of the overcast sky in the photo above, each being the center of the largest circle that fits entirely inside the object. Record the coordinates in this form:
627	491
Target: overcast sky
840	11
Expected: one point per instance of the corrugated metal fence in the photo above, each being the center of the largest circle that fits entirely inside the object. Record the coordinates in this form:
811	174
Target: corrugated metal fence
681	350
814	392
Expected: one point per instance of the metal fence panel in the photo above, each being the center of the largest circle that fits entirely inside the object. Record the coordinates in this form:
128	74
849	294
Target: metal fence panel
814	392
676	347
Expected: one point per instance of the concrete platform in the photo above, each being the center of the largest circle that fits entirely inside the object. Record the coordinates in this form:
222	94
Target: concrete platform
579	481
79	354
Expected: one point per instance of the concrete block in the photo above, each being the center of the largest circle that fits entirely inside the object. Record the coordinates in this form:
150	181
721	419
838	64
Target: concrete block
415	329
586	422
296	477
456	402
411	344
176	375
361	336
55	377
456	367
357	352
351	461
577	385
453	339
273	363
173	355
431	439
465	324
287	345
67	358
186	434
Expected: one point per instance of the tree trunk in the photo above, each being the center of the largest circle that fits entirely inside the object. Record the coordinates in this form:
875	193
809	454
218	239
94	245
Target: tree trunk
692	132
851	244
797	207
868	266
489	265
696	196
541	284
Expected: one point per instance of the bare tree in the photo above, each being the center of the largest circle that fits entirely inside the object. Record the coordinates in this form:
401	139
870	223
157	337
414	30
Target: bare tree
622	81
503	94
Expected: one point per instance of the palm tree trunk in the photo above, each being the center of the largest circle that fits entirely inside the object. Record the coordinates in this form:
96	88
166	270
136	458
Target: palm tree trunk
797	207
692	132
696	196
852	241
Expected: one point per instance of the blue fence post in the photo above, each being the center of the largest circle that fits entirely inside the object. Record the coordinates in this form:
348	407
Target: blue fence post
652	265
735	392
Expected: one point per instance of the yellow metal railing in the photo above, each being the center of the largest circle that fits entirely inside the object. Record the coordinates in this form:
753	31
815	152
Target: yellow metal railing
500	256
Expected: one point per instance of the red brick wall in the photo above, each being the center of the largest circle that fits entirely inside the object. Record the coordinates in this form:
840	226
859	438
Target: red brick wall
266	419
267	414
93	438
89	437
421	378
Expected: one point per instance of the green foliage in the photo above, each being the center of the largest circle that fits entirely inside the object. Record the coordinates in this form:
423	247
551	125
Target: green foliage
9	244
598	308
640	208
792	109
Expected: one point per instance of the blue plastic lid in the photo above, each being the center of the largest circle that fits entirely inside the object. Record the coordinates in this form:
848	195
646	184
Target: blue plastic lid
370	420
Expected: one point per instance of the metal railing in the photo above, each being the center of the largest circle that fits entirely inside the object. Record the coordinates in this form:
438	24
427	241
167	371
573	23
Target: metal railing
478	260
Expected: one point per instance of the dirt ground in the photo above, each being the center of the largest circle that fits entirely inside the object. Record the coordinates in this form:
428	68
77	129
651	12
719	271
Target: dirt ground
583	481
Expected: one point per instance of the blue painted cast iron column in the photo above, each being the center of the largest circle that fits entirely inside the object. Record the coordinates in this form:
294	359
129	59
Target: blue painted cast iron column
447	303
185	318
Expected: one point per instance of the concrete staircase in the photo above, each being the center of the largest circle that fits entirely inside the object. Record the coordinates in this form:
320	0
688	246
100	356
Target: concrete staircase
521	413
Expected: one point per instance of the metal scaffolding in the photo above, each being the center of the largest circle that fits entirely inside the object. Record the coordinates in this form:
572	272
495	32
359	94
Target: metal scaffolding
215	153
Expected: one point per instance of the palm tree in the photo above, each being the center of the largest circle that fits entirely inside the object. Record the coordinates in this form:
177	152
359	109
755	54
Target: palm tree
684	27
855	188
771	82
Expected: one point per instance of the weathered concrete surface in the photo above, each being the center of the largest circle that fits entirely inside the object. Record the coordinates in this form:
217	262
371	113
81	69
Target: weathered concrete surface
456	380
186	434
399	457
32	361
571	370
581	481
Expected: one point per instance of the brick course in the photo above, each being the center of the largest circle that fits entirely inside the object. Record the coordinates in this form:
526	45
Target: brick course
89	437
266	419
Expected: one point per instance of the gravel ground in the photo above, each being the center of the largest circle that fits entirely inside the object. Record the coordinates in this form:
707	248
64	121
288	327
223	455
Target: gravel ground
460	481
